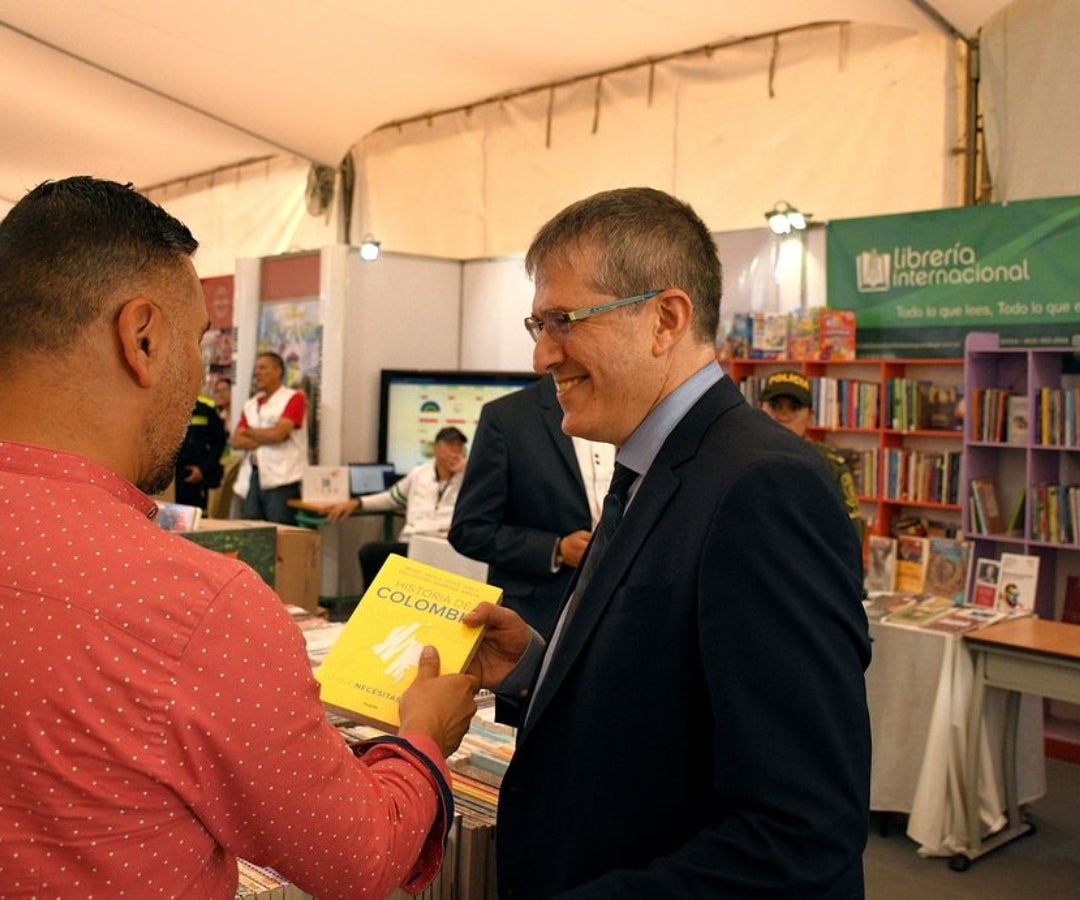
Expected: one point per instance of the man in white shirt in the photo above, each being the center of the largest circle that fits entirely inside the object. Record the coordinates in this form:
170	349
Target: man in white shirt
426	495
273	429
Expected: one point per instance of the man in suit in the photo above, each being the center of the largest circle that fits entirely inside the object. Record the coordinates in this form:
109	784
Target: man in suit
524	507
697	726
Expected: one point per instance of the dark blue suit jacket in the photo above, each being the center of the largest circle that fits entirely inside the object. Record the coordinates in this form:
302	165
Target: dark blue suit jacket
702	730
522	491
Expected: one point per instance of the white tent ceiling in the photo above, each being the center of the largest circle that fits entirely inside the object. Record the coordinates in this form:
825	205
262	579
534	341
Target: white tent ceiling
150	93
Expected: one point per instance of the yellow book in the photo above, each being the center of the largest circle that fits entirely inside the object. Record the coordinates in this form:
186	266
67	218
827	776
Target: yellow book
409	605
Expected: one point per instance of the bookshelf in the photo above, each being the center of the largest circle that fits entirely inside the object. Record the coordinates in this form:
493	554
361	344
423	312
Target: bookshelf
878	410
1027	467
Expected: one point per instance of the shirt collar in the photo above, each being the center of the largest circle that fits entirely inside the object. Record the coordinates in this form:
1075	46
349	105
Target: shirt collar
28	459
644	444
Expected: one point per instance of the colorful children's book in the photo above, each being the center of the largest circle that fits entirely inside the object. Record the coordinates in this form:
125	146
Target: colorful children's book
880	563
408	605
1018	582
925	610
912	557
947	568
882	605
984	587
965	618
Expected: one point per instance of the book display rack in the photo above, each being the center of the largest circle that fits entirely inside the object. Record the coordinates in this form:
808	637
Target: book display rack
1031	471
897	423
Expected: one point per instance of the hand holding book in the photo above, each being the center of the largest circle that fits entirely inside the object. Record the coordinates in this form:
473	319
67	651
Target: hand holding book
504	642
440	707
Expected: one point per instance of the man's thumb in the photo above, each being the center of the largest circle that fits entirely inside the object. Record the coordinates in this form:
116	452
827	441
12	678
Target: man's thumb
428	667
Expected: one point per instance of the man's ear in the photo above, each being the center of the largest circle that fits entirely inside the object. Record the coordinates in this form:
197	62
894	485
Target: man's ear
138	328
674	314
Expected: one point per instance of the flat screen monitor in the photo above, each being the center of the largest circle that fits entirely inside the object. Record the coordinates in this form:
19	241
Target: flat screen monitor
414	404
370	478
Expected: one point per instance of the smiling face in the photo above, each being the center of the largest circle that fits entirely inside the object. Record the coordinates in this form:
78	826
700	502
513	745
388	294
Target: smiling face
606	374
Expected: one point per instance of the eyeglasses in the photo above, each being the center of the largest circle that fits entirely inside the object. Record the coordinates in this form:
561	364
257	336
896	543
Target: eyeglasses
556	324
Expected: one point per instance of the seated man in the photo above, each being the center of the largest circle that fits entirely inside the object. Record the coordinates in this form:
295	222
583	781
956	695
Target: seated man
426	495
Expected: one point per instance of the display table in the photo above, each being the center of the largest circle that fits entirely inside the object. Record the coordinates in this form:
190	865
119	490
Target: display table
920	691
1021	658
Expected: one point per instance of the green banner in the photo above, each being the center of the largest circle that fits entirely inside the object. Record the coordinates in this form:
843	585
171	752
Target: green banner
919	282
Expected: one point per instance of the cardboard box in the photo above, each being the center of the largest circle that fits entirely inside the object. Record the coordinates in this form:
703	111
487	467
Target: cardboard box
299	566
253	542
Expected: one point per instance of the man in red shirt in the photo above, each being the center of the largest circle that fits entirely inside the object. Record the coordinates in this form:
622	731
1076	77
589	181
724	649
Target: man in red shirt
159	715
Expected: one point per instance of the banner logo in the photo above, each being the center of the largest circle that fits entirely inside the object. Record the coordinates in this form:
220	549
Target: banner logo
872	271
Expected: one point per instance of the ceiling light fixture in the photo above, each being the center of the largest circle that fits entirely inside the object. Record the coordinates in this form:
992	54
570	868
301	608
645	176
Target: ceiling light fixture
784	218
369	249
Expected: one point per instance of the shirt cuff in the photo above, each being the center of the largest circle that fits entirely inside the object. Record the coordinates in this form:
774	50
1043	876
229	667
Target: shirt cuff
556	556
434	766
519	680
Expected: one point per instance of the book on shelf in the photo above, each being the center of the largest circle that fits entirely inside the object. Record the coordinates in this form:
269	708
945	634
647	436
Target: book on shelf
1018	581
985	508
802	343
943	408
947	568
880	563
1070	607
1017	412
409	604
738	338
768	335
263	883
178	517
965	618
912	557
925	609
836	334
1016	520
984	586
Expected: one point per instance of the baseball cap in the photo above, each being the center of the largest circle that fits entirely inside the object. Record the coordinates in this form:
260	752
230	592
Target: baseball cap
788	384
451	435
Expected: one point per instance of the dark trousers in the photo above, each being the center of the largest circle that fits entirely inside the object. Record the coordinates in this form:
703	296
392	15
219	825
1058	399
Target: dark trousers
270	504
373	555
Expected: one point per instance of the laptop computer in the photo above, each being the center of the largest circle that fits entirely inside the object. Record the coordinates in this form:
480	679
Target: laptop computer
370	478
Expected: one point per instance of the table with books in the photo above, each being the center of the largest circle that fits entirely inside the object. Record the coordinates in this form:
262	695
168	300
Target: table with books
920	686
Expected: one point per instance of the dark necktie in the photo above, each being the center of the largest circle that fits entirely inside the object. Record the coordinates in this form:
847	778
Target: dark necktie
610	516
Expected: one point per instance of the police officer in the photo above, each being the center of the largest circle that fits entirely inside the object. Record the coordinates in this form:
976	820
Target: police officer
787	399
198	465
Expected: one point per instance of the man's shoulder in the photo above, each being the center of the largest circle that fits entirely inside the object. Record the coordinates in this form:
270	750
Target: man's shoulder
829	453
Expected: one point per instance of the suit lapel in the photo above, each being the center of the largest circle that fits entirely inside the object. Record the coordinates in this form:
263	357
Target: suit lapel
654	494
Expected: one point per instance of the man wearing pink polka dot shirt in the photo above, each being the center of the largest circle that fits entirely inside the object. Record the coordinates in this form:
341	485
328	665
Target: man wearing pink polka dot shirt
158	716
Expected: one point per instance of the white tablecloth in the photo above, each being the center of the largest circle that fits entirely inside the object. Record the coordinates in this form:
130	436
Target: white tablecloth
919	688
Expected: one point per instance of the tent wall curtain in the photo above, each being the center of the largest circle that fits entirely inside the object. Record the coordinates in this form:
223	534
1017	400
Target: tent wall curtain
842	121
254	210
1030	66
861	121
